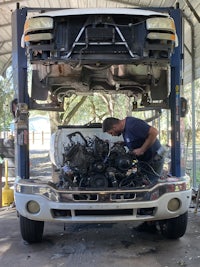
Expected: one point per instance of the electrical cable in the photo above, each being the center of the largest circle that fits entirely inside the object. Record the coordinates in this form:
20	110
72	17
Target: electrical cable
150	167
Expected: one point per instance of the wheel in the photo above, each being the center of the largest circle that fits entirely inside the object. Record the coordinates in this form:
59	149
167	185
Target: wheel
31	231
174	228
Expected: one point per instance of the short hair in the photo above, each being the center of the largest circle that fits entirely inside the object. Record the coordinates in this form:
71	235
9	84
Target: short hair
108	123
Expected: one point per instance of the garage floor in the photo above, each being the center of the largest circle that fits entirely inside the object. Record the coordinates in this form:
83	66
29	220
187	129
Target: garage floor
113	245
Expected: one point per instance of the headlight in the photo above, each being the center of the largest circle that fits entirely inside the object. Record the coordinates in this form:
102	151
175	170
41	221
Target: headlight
161	24
38	37
38	24
45	191
161	36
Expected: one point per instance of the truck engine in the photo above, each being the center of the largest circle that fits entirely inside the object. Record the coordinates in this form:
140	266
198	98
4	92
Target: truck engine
96	163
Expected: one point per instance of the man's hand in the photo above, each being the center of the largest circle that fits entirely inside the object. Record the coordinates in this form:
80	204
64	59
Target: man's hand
138	151
151	138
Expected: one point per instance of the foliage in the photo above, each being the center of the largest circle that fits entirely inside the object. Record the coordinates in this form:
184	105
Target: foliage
86	109
82	110
188	96
6	96
192	127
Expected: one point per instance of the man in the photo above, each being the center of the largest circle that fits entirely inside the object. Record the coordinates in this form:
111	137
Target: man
141	140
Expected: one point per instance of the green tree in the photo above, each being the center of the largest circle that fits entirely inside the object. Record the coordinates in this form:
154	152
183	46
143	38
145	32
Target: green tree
93	108
6	95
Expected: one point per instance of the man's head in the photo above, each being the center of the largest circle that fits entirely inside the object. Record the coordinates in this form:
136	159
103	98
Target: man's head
112	126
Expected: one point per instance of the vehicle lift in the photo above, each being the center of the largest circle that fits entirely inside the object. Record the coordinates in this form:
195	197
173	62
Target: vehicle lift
21	103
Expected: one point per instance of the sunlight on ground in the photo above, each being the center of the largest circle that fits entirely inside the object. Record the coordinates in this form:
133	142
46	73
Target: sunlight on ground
39	146
5	245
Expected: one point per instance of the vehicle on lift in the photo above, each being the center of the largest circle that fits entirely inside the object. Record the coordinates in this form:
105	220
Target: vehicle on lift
85	51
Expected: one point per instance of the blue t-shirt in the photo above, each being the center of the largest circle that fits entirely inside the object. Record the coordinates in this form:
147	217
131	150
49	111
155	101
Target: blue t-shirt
135	133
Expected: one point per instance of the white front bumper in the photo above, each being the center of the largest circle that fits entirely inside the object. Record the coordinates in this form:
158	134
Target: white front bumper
102	212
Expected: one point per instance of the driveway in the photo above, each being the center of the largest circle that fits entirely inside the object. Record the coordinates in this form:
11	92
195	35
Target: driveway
97	245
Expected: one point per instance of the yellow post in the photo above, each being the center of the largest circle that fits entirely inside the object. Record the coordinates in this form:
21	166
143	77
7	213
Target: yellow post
7	192
1	185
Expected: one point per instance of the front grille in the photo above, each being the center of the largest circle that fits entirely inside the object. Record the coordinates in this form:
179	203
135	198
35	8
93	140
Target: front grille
100	34
62	213
117	196
111	212
59	213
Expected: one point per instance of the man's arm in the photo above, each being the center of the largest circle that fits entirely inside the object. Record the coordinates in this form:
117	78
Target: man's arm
151	138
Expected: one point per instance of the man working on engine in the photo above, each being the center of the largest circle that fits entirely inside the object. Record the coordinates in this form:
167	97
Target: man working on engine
141	140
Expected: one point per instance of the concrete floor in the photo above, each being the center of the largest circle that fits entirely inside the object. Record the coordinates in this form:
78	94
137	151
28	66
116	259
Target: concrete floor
97	245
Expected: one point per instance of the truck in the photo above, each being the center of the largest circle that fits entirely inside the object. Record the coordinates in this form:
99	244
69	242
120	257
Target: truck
127	51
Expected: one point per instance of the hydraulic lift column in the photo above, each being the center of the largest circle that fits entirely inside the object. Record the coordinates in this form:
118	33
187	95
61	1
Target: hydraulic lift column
177	124
20	104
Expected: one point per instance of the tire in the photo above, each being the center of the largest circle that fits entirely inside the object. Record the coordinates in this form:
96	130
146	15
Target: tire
174	228
31	231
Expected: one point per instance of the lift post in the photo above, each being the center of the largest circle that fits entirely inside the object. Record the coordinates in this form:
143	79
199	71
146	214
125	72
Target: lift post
20	106
177	123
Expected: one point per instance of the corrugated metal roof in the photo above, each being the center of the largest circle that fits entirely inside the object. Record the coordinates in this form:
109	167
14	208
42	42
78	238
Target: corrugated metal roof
191	9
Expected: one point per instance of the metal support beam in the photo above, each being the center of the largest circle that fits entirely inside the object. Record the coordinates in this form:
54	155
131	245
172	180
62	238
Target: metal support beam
6	3
192	56
194	166
177	163
19	107
193	10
